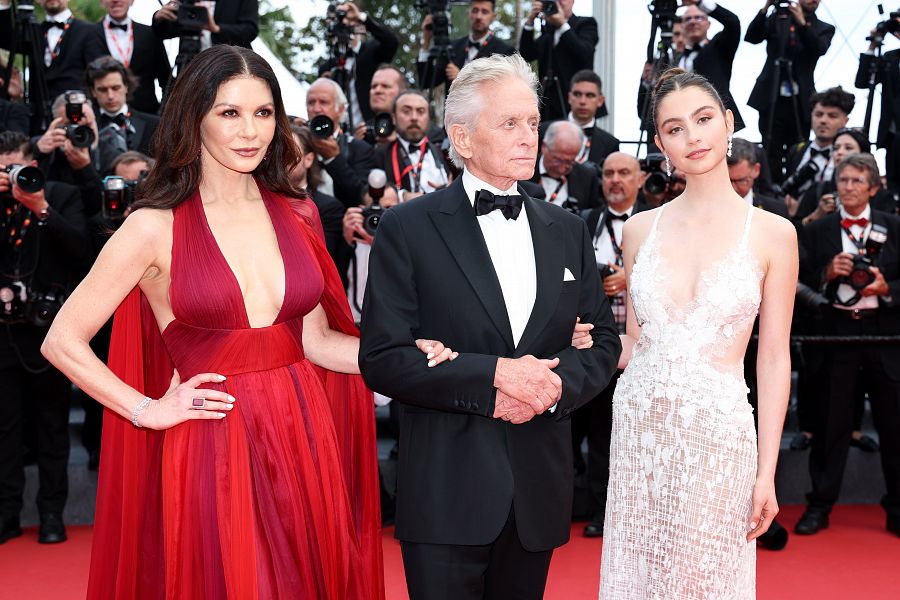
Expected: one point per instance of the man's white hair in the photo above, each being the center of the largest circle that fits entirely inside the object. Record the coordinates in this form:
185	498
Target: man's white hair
340	98
563	127
464	102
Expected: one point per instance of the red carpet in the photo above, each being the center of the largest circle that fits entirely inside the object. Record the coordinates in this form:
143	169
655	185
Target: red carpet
854	559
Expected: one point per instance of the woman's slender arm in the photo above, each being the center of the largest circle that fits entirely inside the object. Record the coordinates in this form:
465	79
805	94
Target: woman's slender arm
633	235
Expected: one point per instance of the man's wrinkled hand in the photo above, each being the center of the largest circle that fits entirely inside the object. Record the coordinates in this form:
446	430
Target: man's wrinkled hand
529	380
511	410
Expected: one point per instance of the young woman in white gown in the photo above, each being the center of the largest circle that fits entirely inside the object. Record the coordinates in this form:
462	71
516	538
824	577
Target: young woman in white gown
690	490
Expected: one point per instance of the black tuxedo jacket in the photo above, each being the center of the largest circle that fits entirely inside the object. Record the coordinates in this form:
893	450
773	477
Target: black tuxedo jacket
331	214
596	217
14	116
603	143
432	77
771	204
144	125
384	156
794	156
716	59
238	22
350	170
805	46
582	183
821	241
378	49
149	63
574	52
460	470
887	73
79	46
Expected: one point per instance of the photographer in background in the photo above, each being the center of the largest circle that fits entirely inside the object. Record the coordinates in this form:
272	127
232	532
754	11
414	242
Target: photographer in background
804	40
14	115
65	152
566	182
362	60
413	164
862	280
68	45
566	45
387	82
121	128
480	41
886	70
44	248
234	22
743	170
136	46
588	103
345	160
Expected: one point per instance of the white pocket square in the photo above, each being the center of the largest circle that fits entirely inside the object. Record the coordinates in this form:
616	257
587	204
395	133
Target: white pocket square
567	275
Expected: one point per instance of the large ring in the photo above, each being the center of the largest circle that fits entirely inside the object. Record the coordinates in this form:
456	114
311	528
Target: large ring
198	402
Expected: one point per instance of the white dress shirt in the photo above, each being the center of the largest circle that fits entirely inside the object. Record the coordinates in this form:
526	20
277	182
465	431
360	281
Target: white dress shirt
119	43
585	149
53	35
603	248
431	172
550	184
844	291
206	34
826	165
512	254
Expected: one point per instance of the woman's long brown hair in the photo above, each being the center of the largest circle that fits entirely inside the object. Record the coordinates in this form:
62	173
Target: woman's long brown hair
176	143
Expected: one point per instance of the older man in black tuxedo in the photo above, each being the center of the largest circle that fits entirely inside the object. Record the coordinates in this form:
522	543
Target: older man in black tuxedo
485	468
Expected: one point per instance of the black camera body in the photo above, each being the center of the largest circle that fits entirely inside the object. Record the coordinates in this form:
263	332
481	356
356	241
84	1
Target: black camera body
793	184
190	18
382	127
118	194
321	126
338	33
19	304
81	136
29	179
883	28
783	8
550	7
657	181
862	276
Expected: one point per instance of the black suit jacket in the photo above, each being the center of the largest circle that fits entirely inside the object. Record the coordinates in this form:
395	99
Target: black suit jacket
350	170
821	241
771	204
149	63
582	183
805	46
716	59
331	214
79	46
380	48
238	22
596	217
887	73
144	125
603	143
460	470
384	157
574	52
432	77
14	116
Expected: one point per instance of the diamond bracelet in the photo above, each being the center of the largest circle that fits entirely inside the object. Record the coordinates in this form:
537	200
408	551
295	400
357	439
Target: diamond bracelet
139	409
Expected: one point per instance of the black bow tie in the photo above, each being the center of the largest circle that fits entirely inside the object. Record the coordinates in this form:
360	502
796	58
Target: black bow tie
614	217
120	119
122	26
814	152
48	25
486	202
413	149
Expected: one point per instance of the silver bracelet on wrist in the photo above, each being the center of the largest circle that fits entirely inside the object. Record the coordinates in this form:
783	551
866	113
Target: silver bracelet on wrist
138	410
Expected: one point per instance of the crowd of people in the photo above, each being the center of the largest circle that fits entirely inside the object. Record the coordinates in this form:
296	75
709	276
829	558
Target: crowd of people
373	139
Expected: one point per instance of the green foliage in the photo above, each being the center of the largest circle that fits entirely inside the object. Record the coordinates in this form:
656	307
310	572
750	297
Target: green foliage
280	33
86	10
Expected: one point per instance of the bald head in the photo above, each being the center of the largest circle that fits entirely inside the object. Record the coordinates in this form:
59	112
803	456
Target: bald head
622	180
563	141
563	132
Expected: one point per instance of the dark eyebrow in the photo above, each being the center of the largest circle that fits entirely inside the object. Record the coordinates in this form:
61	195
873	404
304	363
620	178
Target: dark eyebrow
226	104
693	114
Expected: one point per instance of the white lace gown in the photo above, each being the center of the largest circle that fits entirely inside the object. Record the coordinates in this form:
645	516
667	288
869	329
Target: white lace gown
683	454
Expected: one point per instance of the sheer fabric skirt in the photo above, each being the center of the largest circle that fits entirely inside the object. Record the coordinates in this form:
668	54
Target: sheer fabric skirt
683	461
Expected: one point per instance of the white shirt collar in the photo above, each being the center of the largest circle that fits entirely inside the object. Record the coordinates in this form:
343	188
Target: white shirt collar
472	184
629	211
121	111
749	197
865	214
61	17
477	41
590	123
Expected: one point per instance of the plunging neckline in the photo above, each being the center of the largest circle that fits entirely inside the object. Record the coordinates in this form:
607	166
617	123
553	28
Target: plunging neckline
234	279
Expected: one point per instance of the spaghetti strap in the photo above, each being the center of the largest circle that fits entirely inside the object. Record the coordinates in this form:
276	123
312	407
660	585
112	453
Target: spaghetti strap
652	234
746	235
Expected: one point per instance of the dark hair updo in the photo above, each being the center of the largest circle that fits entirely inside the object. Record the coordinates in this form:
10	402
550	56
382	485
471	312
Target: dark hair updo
675	79
176	143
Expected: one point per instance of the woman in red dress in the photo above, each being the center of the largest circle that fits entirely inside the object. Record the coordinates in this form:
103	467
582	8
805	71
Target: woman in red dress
251	472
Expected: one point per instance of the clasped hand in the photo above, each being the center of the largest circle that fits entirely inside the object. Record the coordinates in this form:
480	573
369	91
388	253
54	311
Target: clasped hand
526	387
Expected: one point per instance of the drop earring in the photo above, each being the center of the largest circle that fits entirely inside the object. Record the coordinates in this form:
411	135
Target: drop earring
730	145
668	167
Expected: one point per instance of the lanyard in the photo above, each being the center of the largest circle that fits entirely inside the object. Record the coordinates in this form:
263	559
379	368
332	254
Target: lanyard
562	182
55	52
585	151
860	244
125	55
612	238
409	169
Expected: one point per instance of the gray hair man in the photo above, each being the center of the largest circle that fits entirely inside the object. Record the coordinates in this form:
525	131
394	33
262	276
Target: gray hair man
566	182
485	480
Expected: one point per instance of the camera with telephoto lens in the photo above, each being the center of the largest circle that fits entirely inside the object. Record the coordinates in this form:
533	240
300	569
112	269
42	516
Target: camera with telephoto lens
382	127
862	276
321	126
118	194
18	304
883	28
783	8
664	13
550	7
338	33
657	181
28	179
190	18
794	184
372	214
440	25
81	136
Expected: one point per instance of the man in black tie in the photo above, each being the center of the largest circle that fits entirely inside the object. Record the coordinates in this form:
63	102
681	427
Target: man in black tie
566	182
712	58
121	127
588	103
67	46
831	247
744	169
234	22
485	458
136	46
481	41
566	45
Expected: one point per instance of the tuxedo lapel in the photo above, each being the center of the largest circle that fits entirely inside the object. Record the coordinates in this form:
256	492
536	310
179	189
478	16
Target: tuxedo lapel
546	236
833	241
457	225
139	124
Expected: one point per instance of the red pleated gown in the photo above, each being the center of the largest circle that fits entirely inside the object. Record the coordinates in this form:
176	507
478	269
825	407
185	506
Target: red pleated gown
280	498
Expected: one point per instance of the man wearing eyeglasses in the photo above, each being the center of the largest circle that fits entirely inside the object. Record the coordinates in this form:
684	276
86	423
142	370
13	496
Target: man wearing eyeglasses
744	169
865	302
712	58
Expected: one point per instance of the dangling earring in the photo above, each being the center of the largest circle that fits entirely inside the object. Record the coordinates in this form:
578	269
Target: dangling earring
668	167
730	144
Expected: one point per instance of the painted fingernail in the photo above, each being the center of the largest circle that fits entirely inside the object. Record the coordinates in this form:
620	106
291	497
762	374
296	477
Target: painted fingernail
221	378
454	355
752	524
229	407
431	363
220	415
430	355
231	398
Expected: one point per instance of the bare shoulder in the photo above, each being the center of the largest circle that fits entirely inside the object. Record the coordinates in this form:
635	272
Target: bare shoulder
146	232
637	227
774	229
